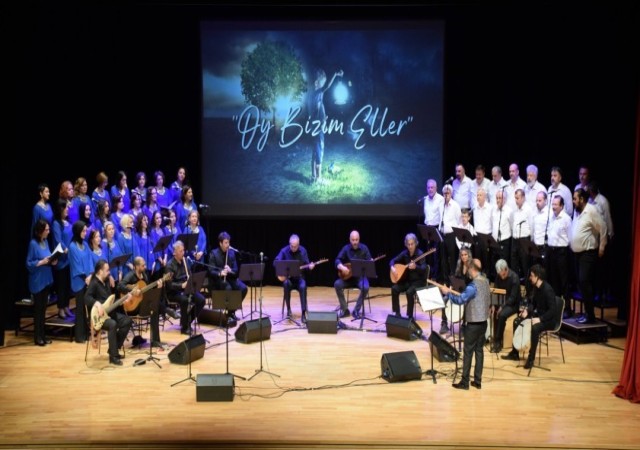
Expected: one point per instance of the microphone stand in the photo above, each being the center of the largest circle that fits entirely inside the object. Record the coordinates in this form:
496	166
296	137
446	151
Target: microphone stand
260	320
546	228
189	307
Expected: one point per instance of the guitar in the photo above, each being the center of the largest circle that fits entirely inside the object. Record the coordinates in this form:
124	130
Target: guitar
306	266
345	275
400	268
136	299
109	305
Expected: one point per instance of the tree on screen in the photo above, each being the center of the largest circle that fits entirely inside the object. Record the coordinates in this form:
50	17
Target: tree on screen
271	71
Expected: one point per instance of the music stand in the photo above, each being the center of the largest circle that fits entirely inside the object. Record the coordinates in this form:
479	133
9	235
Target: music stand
429	233
287	268
190	241
226	300
464	236
251	273
529	248
119	261
149	305
163	243
367	269
194	284
430	299
488	241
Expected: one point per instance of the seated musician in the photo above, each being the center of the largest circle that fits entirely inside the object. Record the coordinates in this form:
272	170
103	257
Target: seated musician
180	271
223	272
117	324
508	280
295	251
131	283
354	250
412	278
541	311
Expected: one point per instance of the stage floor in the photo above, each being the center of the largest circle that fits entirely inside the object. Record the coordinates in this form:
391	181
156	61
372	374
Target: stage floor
314	390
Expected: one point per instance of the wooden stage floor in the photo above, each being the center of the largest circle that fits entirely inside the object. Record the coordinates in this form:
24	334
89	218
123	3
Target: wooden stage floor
327	392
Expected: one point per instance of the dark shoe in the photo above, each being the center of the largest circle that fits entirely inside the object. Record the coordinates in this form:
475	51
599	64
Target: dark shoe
496	348
304	317
138	341
444	328
397	314
289	314
62	314
186	330
355	314
171	313
528	364
344	313
461	385
47	341
115	361
41	343
476	384
511	356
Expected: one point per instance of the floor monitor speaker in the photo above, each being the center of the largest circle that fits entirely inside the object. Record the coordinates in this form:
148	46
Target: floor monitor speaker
188	351
400	366
254	331
441	349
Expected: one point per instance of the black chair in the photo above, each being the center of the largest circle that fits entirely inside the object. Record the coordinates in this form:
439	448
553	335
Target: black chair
547	334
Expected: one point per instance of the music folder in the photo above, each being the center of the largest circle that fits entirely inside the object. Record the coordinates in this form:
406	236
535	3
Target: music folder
430	298
488	240
463	235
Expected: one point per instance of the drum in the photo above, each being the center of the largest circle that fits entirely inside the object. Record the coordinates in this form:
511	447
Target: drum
454	312
522	335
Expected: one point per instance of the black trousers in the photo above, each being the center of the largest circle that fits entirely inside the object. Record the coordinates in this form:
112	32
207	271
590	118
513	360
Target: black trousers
586	263
474	338
295	284
40	302
409	288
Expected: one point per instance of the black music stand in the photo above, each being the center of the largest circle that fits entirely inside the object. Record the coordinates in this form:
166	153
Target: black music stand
367	269
430	233
227	299
119	261
529	248
190	241
287	268
149	305
163	243
464	236
488	241
194	284
251	273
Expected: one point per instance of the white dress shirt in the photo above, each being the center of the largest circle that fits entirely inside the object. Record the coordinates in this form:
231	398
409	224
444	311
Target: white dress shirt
588	230
482	218
462	192
559	230
433	208
501	223
566	195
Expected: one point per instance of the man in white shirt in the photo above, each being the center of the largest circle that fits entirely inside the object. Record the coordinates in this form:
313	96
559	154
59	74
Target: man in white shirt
557	187
522	225
605	264
501	221
514	183
462	188
584	177
497	183
533	185
450	218
433	210
482	224
479	182
588	241
557	251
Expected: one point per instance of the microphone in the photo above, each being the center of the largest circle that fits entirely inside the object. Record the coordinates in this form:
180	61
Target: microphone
553	192
203	206
521	222
420	200
234	249
261	256
449	180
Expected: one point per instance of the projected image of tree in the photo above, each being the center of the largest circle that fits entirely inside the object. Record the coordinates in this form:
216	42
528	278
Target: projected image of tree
320	119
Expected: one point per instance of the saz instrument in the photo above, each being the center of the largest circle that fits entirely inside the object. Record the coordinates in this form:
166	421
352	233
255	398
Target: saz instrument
455	311
144	287
443	286
306	266
345	275
400	268
109	305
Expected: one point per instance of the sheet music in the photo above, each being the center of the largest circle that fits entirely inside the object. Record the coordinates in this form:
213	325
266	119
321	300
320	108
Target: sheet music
430	298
